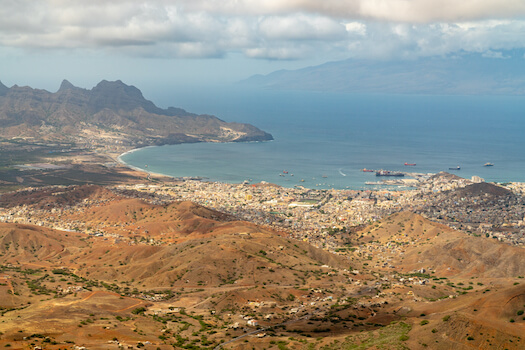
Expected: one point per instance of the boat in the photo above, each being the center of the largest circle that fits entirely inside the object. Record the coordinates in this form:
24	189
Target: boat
410	164
456	168
488	164
389	173
324	176
367	170
285	172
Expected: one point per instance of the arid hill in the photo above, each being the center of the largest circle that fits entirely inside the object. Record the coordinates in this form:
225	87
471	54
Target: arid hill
54	197
110	113
477	288
447	252
173	275
483	188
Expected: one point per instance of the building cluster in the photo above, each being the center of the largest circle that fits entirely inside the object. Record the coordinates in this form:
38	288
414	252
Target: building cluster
318	215
494	212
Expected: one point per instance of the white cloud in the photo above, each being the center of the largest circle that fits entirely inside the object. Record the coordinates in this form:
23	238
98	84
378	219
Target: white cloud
272	29
419	11
300	27
494	54
276	53
356	27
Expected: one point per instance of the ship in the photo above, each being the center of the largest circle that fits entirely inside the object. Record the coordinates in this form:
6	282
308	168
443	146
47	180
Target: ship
410	164
285	172
389	173
456	168
488	164
367	170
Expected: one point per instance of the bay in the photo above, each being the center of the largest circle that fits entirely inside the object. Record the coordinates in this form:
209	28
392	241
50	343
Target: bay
326	139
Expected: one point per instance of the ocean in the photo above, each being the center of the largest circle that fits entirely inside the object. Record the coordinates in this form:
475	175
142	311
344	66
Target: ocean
323	140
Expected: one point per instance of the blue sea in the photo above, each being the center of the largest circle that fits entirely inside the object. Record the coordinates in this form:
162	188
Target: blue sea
326	139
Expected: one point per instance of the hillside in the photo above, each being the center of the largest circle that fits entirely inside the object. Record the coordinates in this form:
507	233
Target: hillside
155	273
435	247
464	291
110	113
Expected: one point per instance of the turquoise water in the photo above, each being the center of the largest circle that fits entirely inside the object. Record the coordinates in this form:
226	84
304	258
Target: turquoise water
325	139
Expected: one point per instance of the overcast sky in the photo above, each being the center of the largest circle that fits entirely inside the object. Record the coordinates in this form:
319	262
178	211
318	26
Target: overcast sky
196	41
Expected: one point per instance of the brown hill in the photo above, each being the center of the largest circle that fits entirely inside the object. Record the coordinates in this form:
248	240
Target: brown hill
53	197
459	291
429	245
169	223
37	245
486	321
483	188
114	111
209	252
182	274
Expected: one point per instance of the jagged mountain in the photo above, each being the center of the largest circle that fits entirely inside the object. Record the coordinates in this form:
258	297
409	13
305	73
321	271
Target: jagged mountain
109	113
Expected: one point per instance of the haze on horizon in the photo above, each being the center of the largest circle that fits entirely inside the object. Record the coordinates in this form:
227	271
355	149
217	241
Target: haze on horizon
203	42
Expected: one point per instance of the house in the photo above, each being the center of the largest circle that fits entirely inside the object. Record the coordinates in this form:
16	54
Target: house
252	323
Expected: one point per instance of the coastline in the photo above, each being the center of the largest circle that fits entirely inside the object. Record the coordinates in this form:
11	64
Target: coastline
119	160
340	178
314	184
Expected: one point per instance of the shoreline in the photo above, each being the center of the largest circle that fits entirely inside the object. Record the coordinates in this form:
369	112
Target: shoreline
119	160
385	185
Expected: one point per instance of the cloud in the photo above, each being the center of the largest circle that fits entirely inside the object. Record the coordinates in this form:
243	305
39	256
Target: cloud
300	27
356	27
494	54
266	29
417	11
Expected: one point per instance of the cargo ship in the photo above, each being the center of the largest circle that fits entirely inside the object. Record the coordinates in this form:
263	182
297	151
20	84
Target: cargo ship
410	164
488	164
389	173
456	168
367	170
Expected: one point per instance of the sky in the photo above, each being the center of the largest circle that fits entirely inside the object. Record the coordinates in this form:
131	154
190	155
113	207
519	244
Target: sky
197	42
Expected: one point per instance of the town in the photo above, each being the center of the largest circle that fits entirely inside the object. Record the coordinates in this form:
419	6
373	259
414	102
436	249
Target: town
317	216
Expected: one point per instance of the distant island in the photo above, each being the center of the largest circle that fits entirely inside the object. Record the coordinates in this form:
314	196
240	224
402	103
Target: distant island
463	75
112	113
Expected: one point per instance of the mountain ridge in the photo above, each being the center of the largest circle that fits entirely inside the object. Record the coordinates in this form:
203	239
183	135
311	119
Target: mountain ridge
109	113
464	75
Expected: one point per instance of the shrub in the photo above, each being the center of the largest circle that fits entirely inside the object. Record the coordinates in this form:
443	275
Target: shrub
139	310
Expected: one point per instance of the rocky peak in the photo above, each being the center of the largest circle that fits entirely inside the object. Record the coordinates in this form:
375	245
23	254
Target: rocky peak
66	85
116	95
3	89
